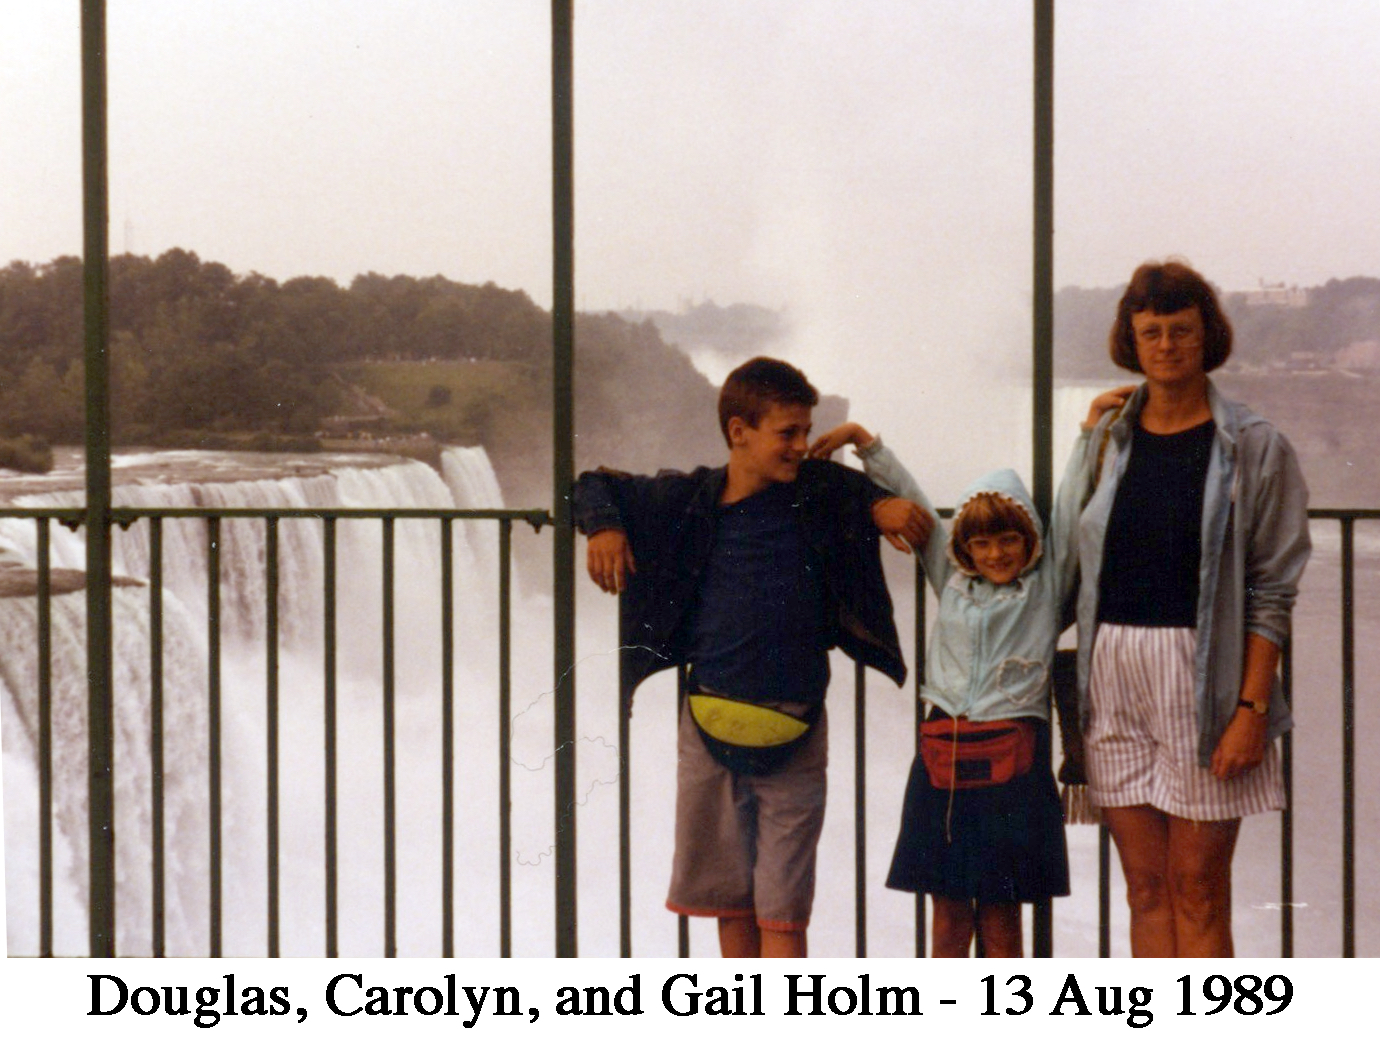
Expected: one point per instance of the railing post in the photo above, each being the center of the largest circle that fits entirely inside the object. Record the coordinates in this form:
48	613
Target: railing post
1348	738
563	464
100	670
1042	374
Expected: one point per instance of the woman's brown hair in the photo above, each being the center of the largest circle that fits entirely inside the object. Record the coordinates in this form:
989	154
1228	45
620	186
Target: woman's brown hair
1167	288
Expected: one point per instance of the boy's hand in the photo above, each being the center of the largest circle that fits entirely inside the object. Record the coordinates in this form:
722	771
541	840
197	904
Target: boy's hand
1105	402
849	432
609	560
904	523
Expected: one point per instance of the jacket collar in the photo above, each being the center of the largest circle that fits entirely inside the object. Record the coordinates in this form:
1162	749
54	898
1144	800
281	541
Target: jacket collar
1229	416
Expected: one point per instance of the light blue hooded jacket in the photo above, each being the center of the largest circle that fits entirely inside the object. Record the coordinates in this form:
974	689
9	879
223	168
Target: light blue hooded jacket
1255	545
992	647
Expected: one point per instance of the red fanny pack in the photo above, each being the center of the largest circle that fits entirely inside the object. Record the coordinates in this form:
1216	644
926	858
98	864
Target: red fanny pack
963	754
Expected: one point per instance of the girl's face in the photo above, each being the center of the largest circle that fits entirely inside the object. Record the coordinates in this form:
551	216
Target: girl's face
998	557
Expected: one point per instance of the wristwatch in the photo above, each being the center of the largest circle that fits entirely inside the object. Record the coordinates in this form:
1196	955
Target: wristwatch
1262	709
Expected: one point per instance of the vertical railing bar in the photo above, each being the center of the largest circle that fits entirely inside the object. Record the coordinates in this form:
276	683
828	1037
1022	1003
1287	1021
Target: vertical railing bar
390	816
1286	821
624	793
1042	337
447	739
921	922
859	810
563	466
96	362
505	738
213	722
271	725
1348	740
682	922
1104	893
158	858
45	742
329	722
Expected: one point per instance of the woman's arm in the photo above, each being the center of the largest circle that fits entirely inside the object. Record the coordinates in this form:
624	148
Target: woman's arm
1242	745
1075	488
1278	547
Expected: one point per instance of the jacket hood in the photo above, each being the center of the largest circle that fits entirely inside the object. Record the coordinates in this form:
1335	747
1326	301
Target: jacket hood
1009	485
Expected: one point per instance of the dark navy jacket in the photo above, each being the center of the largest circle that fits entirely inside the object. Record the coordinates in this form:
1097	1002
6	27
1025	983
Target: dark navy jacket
669	519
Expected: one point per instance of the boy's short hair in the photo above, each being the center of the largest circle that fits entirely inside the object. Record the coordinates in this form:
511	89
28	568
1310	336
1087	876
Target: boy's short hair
985	515
1167	288
753	387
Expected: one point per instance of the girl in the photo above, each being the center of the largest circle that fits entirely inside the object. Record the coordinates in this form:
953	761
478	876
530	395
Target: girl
982	829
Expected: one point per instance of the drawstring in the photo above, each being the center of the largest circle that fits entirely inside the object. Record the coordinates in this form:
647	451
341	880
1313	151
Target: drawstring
953	781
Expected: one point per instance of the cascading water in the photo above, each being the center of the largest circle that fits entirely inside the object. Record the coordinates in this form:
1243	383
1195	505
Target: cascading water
469	483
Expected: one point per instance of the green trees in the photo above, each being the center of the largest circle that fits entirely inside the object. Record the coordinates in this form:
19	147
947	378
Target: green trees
201	355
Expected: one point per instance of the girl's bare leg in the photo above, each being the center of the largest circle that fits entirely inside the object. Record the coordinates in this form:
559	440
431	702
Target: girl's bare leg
951	932
1000	927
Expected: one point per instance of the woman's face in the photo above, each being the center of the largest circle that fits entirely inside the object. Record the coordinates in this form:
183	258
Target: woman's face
1169	346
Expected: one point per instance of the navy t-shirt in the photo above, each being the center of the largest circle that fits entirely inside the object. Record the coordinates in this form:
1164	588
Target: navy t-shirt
759	631
1154	535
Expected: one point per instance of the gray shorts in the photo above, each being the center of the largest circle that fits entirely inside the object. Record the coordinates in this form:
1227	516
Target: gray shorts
745	844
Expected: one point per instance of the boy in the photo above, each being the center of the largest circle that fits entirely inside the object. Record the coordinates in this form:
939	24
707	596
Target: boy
750	573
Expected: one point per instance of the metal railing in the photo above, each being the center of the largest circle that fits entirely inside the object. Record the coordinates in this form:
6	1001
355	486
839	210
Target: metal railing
270	518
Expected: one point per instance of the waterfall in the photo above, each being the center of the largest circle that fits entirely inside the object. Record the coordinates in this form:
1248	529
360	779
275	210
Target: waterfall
176	483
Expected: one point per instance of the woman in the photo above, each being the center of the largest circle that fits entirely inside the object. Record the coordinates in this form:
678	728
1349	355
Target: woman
1191	548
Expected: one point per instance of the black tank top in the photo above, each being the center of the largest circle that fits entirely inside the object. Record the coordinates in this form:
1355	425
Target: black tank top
1154	535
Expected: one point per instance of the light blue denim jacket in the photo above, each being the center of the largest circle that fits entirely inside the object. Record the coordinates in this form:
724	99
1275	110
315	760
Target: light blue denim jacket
992	647
1255	545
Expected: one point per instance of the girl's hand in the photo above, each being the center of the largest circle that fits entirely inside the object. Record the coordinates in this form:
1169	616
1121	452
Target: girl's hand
849	432
1105	402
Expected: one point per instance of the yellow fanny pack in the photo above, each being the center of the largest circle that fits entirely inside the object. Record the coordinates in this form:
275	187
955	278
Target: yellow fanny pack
749	738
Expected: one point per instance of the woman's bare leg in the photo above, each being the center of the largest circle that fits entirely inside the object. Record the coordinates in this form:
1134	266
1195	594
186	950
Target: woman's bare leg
1141	835
1199	869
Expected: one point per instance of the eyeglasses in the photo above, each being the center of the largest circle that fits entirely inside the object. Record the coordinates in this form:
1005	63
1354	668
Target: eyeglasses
1185	336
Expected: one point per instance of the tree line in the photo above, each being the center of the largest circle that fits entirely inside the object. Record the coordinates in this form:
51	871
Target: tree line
198	350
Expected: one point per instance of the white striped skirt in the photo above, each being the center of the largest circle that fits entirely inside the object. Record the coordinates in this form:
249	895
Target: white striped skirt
1142	738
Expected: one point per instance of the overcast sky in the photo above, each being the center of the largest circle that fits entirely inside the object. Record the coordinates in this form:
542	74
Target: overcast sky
864	162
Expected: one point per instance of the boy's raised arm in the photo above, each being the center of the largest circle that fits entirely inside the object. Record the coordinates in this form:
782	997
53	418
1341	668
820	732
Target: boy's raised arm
906	520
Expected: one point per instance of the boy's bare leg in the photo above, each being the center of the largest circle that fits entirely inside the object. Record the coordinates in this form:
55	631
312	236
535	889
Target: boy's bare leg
783	944
1000	927
952	932
739	938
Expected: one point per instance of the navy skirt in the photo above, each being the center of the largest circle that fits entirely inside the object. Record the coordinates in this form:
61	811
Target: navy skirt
997	844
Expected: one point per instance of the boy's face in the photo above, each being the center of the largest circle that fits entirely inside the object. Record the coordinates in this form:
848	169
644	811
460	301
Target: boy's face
771	452
998	557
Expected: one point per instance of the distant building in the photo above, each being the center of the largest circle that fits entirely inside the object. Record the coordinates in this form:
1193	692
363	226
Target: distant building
1276	295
